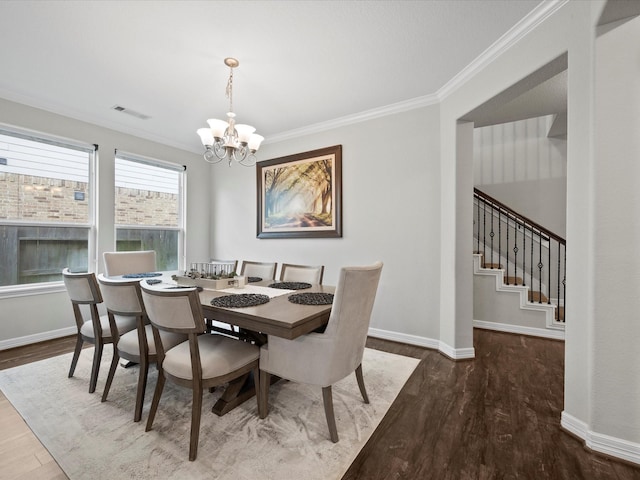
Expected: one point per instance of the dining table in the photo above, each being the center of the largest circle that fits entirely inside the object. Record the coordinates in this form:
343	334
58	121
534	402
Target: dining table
278	316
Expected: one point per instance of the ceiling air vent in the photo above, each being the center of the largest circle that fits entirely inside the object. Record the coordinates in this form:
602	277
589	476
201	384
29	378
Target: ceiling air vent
128	111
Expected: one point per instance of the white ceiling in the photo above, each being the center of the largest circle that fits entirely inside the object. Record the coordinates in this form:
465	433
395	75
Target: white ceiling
301	62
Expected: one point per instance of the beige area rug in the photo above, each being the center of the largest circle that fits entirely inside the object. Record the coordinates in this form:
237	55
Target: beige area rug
94	440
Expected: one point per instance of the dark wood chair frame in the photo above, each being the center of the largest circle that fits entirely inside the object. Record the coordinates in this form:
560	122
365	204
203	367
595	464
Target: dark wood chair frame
98	340
144	358
197	384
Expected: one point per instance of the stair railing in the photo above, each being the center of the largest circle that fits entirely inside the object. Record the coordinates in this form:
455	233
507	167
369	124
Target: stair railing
502	233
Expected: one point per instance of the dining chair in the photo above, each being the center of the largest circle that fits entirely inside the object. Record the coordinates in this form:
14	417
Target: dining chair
84	293
301	273
231	265
123	263
263	270
324	358
137	346
202	362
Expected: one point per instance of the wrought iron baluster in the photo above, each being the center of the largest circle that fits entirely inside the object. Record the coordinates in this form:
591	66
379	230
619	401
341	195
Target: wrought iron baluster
524	254
558	280
515	253
499	238
540	265
549	274
531	270
478	222
484	231
508	249
491	234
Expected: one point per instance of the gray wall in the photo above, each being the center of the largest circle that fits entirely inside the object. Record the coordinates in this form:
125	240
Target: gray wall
25	319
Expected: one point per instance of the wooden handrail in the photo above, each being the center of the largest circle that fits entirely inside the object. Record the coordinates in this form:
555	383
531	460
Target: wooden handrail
537	226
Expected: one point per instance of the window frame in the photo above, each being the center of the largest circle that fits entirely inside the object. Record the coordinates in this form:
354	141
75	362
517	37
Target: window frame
27	289
182	201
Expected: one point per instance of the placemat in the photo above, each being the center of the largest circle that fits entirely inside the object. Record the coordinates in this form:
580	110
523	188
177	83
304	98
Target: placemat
240	300
291	285
312	298
142	275
253	279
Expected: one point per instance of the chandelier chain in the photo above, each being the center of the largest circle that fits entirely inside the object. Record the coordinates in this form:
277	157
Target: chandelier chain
230	89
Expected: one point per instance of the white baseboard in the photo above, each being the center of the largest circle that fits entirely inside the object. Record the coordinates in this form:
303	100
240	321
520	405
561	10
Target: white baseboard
598	442
454	353
505	327
38	337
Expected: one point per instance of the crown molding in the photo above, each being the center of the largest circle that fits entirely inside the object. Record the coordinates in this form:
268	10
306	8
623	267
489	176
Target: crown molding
372	114
504	43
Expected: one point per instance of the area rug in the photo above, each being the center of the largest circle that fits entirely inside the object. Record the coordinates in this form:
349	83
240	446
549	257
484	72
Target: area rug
94	440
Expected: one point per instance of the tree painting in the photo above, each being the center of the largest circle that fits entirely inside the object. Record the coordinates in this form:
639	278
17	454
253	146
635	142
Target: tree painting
299	194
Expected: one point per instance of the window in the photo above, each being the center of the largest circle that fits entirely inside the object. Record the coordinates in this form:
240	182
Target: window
149	208
46	208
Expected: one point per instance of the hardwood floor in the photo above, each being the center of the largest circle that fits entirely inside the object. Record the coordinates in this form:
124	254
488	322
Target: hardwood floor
494	417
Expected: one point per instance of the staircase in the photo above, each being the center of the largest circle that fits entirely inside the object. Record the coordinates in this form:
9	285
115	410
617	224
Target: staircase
526	260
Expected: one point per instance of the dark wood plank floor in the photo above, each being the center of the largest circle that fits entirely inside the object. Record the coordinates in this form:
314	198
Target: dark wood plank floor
494	417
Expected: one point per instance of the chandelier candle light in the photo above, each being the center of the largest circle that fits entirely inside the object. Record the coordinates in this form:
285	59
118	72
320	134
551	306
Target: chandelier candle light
235	142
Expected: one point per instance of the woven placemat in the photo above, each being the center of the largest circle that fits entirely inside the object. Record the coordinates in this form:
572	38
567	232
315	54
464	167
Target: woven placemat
312	298
253	279
240	301
142	275
291	285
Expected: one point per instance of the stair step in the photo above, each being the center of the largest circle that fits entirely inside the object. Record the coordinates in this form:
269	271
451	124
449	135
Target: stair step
492	265
537	297
512	280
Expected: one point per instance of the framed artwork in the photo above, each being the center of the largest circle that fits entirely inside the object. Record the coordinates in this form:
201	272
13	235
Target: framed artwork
300	196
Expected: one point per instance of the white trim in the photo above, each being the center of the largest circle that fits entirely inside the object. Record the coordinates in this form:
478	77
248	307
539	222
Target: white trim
534	18
38	337
431	343
532	331
404	338
456	353
525	304
367	115
599	442
26	290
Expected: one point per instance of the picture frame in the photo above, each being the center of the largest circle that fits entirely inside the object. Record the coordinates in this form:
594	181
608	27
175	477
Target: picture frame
300	195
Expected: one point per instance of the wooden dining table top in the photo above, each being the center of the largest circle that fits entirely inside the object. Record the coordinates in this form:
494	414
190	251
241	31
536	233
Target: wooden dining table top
278	317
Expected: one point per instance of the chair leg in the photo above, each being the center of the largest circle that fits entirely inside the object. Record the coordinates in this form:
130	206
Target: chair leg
112	372
142	386
256	386
196	413
360	379
156	399
263	400
76	355
327	398
95	368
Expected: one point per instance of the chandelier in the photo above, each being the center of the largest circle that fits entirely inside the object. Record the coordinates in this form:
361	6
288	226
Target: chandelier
226	139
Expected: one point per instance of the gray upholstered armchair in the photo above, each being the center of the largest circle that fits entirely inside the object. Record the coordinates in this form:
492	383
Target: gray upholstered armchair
324	358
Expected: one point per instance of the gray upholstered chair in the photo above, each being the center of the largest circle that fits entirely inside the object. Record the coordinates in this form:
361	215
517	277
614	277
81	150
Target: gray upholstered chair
301	273
122	263
264	270
324	358
84	293
137	346
202	362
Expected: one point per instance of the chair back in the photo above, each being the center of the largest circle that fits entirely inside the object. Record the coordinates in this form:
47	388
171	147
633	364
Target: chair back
176	310
350	315
264	270
301	273
122	298
82	287
122	263
227	266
